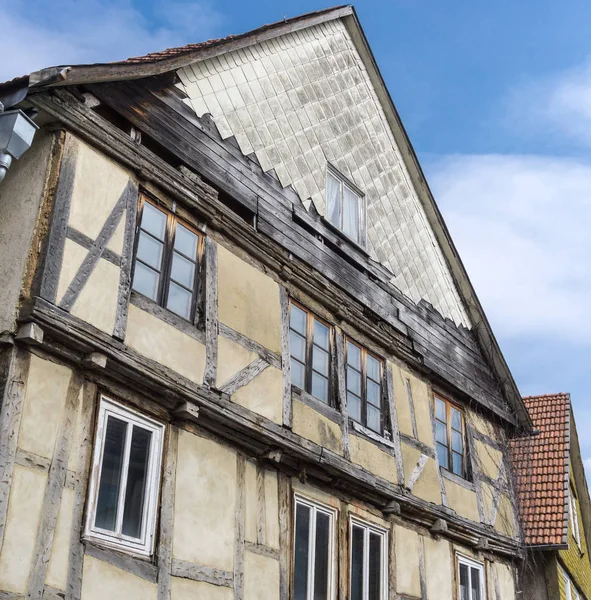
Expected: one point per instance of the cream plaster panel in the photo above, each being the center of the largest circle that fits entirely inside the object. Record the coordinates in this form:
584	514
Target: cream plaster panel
75	456
486	492
506	581
261	577
481	424
248	300
422	400
361	513
427	485
98	184
462	500
232	358
74	254
57	571
165	344
205	502
263	395
272	508
403	414
251	503
315	427
116	242
370	457
22	521
185	589
45	398
505	522
489	459
305	99
101	580
97	303
438	565
313	493
407	562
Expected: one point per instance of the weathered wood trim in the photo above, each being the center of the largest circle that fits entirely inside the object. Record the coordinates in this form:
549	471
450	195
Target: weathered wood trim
244	376
51	593
126	262
54	252
284	491
496	583
262	550
267	355
285	358
342	562
324	409
475	473
98	247
417	444
239	525
394	422
211	313
494	508
416	472
189	570
440	472
422	569
32	461
392	562
140	301
53	492
445	474
340	390
167	514
411	405
83	240
485	439
357	429
261	506
10	419
136	566
84	450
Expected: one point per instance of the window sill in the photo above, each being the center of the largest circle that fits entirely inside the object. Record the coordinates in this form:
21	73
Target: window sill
324	409
145	303
370	435
142	566
469	485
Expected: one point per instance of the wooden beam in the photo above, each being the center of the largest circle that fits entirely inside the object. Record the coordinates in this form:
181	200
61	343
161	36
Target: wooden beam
211	313
83	240
239	525
189	570
285	358
244	376
284	491
394	422
340	371
135	566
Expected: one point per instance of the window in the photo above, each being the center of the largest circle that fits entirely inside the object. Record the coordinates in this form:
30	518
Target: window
470	579
167	261
449	436
345	207
310	342
125	479
369	579
364	387
570	591
574	518
313	552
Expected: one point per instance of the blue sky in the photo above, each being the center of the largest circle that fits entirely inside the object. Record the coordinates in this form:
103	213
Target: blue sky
496	98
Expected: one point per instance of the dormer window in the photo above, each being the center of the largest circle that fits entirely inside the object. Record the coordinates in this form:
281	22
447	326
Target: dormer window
345	206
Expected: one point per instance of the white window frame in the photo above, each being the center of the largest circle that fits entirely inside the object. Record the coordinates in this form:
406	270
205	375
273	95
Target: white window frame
471	564
361	205
570	590
383	533
332	514
574	518
145	544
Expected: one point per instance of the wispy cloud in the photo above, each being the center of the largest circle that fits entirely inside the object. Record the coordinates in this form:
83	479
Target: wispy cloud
37	34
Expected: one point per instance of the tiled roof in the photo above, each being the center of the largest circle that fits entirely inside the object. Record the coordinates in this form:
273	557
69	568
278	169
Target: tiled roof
541	464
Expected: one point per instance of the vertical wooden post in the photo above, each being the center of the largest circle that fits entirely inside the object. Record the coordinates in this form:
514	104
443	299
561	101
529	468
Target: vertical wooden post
341	392
285	358
394	423
239	524
211	313
284	535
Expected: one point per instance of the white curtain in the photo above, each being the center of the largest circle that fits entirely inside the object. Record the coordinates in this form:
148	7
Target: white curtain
332	199
351	213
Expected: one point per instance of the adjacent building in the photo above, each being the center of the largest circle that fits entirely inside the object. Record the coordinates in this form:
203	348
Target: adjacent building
555	505
240	356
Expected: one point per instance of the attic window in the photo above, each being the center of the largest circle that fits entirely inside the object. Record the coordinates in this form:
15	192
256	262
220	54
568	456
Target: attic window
345	206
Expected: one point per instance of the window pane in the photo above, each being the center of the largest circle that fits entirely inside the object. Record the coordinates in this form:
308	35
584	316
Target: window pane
186	241
320	387
135	493
145	281
332	199
320	360
322	558
440	410
375	566
464	593
154	221
302	540
350	213
441	432
475	584
149	251
297	373
374	418
457	443
298	319
374	393
321	335
353	356
458	466
183	271
354	381
442	456
456	419
297	346
373	368
110	481
179	300
354	407
357	535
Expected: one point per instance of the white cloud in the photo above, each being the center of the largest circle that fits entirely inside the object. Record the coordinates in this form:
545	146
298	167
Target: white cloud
37	34
521	224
